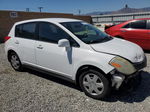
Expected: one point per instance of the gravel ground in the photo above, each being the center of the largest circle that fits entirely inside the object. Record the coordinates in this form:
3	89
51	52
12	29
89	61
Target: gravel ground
32	91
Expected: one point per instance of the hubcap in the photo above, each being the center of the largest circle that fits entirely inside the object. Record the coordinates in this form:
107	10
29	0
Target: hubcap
15	61
93	84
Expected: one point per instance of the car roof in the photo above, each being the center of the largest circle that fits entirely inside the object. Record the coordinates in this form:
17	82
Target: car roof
131	20
57	20
138	19
142	19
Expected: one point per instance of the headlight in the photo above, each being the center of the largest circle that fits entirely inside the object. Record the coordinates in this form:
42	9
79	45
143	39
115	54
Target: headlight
122	65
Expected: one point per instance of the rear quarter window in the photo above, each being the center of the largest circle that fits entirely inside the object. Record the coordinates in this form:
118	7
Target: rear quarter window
18	31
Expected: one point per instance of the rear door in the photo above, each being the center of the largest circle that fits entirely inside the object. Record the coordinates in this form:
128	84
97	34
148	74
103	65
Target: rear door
136	32
25	40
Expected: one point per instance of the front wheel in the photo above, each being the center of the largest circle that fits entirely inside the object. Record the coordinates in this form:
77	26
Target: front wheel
94	84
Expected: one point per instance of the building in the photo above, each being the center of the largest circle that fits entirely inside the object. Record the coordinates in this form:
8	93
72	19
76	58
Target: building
118	18
8	18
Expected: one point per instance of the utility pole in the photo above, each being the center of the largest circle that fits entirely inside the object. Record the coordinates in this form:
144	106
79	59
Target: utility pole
126	6
27	9
79	11
40	8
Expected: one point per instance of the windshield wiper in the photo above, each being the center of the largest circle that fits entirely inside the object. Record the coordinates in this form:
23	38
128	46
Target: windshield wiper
101	40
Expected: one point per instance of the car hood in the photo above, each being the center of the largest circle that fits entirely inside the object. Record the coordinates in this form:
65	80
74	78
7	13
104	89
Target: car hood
122	48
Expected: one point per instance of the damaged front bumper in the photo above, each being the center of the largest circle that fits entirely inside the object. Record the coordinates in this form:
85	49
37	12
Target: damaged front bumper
119	78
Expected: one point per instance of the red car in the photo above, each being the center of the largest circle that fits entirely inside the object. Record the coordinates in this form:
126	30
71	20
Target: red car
137	31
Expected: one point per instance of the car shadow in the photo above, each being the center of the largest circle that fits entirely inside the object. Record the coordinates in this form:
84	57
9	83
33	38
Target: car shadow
52	78
138	94
147	51
1	40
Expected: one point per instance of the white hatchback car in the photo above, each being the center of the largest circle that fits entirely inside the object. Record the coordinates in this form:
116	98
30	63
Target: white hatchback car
75	50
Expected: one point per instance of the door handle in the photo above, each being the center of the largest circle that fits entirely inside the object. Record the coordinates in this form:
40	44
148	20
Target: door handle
123	31
40	47
16	42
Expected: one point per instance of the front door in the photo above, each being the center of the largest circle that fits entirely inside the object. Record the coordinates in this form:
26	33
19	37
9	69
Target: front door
48	54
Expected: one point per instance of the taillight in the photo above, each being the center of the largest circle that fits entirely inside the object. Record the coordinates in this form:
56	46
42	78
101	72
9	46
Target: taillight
6	38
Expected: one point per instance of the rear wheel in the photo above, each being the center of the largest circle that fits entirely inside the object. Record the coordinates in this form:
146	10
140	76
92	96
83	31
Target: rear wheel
94	84
15	61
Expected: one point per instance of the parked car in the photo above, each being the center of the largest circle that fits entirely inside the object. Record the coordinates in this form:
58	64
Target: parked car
137	31
76	51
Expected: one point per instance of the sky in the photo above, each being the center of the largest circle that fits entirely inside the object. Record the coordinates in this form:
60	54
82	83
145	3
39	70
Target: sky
71	6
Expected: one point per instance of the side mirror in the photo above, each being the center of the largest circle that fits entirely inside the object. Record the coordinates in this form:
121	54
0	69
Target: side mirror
63	43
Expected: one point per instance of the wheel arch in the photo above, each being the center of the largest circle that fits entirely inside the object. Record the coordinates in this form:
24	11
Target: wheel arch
9	52
87	67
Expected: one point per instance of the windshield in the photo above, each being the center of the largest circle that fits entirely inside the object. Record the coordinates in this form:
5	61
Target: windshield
86	32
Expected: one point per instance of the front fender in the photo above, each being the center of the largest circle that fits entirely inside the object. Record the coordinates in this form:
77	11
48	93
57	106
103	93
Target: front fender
104	66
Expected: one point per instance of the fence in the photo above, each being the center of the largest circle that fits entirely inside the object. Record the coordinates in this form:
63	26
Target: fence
8	18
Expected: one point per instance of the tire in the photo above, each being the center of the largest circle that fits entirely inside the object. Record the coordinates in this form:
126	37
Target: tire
88	81
15	61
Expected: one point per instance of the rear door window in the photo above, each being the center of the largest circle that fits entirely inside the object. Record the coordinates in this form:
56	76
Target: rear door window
26	30
139	24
